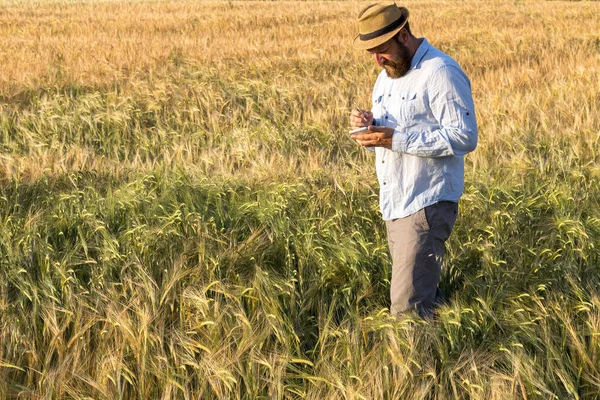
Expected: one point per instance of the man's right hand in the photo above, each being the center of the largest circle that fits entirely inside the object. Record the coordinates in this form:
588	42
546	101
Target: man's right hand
358	119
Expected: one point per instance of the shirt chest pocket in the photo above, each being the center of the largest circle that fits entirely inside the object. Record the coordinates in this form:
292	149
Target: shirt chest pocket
407	106
377	108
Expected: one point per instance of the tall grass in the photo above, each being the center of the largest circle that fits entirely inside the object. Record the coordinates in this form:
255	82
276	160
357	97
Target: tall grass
183	216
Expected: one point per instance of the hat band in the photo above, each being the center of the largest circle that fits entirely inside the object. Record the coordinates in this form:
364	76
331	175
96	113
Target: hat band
384	30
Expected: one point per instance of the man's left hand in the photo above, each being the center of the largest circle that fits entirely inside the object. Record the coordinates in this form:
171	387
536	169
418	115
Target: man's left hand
377	136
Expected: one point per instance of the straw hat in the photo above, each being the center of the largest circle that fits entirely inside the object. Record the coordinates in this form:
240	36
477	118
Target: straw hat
378	23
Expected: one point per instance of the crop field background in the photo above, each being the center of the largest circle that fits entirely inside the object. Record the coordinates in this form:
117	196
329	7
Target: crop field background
183	214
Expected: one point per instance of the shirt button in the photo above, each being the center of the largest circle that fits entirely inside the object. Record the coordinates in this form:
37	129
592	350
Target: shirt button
385	183
386	117
402	97
383	161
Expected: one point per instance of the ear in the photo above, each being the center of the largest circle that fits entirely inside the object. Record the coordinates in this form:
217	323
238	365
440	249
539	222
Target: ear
403	35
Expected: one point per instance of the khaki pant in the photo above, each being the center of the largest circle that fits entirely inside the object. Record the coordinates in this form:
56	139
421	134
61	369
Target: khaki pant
417	248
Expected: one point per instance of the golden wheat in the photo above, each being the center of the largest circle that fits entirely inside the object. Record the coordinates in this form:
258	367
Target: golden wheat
183	215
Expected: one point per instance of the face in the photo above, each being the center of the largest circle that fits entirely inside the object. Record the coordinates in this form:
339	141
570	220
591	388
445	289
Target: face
394	56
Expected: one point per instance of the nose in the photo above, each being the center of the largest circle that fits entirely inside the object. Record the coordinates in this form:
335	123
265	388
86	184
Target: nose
379	59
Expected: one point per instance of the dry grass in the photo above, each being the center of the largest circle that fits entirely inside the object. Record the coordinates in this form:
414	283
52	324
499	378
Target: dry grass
183	216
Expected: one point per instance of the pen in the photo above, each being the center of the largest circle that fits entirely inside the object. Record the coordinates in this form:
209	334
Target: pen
359	110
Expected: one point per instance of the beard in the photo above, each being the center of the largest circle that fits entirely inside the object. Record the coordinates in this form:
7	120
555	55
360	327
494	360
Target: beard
397	68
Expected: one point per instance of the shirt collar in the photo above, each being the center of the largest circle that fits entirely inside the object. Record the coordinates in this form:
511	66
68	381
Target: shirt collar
423	47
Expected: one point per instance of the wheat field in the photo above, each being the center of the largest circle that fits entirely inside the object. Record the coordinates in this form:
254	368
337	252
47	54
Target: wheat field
183	214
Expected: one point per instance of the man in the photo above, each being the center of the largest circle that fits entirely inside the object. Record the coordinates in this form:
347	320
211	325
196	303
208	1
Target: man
421	125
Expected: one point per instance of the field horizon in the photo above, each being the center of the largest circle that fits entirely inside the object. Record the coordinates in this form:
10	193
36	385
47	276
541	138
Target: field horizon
183	214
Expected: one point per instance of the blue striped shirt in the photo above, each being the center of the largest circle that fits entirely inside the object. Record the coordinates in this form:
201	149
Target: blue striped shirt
432	112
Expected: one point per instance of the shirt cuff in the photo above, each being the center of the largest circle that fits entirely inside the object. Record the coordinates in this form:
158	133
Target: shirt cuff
399	141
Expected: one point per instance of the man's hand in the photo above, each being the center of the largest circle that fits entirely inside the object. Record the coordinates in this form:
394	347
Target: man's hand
377	136
360	118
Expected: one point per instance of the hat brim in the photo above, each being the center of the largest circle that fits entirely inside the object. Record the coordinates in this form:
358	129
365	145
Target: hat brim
372	43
